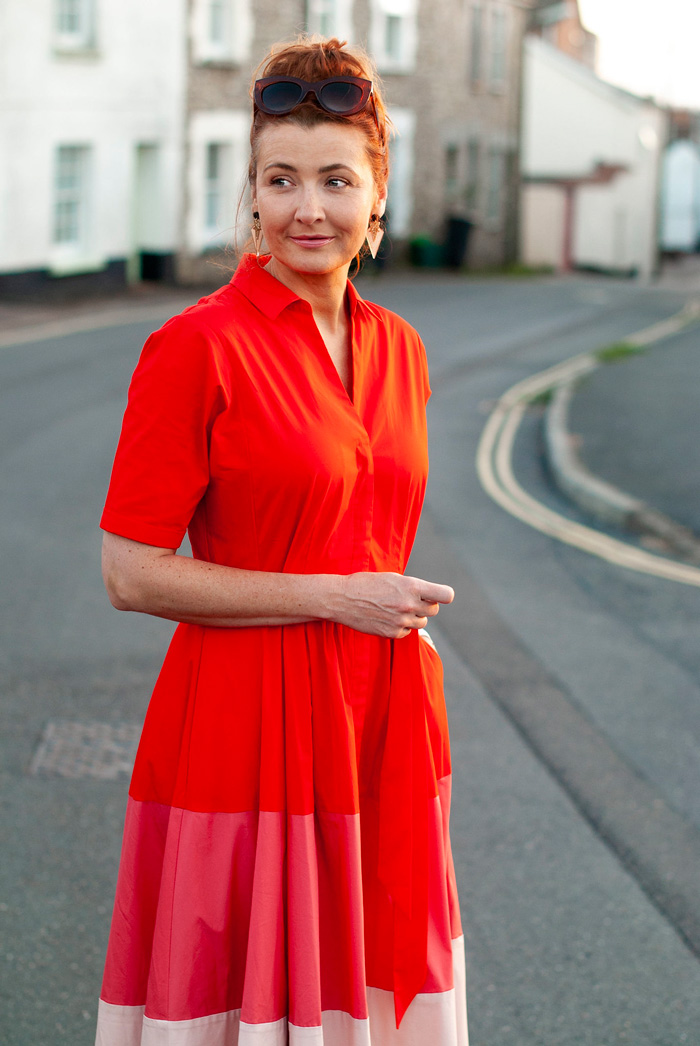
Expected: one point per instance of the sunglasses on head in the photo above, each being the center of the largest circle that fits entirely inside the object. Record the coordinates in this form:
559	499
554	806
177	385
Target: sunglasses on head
339	95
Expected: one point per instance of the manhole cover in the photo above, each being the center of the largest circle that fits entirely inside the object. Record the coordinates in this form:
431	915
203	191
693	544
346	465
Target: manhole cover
86	749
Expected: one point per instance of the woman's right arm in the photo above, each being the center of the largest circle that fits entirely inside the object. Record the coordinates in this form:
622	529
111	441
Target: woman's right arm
153	580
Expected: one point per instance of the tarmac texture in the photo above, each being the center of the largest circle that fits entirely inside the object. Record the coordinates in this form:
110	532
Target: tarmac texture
638	425
566	943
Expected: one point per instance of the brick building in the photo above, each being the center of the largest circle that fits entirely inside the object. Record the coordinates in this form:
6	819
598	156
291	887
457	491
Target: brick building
559	23
124	129
452	74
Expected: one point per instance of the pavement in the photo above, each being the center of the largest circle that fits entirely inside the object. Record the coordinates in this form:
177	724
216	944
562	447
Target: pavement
622	440
572	940
611	437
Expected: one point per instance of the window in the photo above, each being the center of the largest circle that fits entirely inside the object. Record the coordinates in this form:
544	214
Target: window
70	196
74	24
221	30
392	37
472	192
451	174
330	18
499	47
494	201
217	22
214	182
476	45
216	175
402	147
394	34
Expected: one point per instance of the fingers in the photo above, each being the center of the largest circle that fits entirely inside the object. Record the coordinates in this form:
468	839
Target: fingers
413	626
431	592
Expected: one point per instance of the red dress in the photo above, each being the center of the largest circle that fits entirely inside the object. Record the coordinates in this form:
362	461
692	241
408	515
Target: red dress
286	872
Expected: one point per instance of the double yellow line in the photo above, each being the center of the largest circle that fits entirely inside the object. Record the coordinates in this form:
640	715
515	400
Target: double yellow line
494	464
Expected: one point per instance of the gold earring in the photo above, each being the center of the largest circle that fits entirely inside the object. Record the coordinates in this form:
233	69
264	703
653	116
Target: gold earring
256	233
375	232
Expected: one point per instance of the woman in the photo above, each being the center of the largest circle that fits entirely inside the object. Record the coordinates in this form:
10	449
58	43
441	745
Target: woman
286	873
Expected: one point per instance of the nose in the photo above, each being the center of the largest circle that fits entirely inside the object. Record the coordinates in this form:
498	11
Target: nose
309	208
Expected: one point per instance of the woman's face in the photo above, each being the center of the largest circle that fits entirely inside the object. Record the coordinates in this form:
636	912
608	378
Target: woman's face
315	193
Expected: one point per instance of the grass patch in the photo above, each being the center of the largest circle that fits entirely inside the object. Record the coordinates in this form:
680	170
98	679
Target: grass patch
542	399
619	350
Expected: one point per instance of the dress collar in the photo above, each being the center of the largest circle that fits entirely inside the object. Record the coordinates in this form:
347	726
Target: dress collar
267	293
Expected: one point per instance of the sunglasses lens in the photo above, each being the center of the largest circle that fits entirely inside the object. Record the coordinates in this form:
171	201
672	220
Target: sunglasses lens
340	97
281	97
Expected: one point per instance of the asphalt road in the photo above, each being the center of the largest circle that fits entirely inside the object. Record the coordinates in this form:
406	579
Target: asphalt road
566	947
629	406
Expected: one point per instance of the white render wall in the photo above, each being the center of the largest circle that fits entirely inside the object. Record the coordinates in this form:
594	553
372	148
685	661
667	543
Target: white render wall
125	92
573	121
680	230
543	209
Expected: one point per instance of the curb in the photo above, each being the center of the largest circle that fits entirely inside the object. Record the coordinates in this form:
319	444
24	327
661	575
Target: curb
595	496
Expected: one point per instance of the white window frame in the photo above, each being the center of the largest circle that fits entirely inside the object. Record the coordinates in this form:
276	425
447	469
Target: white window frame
227	129
80	37
498	52
68	252
477	43
234	43
406	11
330	18
215	187
402	162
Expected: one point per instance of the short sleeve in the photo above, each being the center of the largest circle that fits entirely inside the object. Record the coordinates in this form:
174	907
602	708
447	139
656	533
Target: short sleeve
427	391
161	467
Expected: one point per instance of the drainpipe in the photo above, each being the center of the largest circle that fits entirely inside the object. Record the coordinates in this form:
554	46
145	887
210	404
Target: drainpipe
567	259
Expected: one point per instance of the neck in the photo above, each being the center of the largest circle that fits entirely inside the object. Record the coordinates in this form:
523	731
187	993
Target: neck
325	292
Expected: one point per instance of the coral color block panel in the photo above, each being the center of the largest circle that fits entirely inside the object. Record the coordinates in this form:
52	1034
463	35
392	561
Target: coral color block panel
219	911
439	1017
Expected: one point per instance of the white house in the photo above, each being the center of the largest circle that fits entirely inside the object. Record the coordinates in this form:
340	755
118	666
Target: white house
91	102
680	206
591	164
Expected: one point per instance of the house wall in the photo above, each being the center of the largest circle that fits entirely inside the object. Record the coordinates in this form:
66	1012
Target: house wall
543	217
680	209
573	121
440	105
121	89
560	25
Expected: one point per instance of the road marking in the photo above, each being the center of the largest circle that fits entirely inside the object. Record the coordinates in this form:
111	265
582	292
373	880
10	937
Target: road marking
495	469
121	317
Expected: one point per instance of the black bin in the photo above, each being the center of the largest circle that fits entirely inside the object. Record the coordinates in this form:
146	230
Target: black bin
456	242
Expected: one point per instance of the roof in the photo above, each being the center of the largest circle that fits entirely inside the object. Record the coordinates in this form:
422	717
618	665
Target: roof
548	12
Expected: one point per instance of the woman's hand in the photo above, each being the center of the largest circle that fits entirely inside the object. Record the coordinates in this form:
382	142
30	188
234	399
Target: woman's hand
153	580
387	604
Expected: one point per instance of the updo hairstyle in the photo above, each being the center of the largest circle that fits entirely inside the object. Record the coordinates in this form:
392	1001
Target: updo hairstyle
313	59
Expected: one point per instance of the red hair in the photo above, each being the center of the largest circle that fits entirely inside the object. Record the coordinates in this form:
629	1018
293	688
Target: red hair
314	59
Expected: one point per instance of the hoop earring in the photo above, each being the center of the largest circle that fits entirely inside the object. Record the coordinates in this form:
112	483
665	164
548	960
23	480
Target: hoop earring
256	233
375	232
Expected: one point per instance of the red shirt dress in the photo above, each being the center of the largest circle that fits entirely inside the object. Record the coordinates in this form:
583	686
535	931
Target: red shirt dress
286	873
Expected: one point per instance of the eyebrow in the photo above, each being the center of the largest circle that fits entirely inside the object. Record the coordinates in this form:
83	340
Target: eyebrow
321	170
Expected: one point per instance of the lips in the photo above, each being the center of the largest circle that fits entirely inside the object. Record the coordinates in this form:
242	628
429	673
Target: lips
311	241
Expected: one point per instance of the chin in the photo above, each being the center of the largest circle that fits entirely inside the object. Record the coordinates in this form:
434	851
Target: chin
314	261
